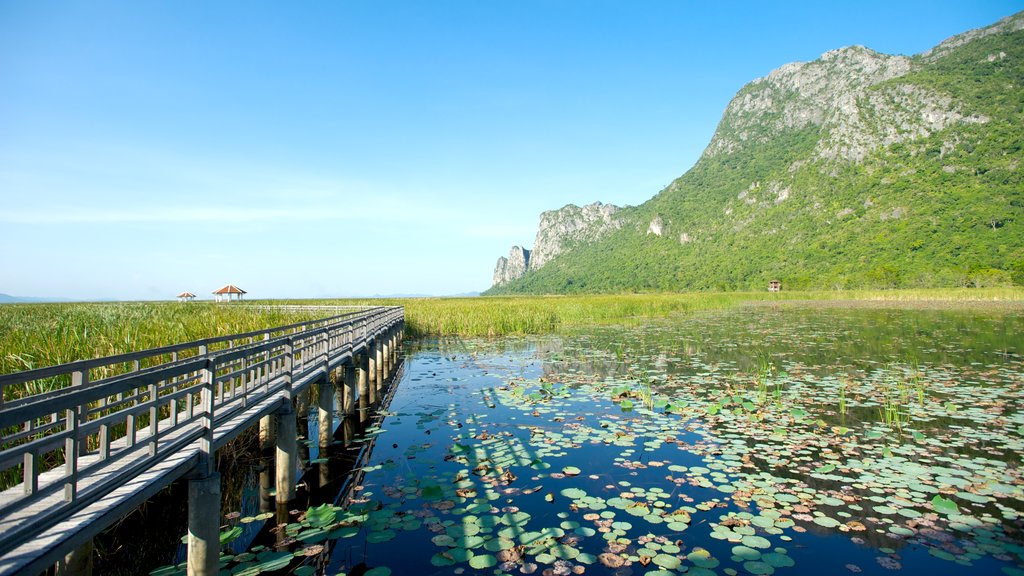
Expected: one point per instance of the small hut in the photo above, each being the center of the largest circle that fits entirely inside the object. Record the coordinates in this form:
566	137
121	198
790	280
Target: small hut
228	292
775	286
186	297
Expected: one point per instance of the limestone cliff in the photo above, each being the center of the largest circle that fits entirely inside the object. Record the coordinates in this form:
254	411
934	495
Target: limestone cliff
508	269
843	95
559	230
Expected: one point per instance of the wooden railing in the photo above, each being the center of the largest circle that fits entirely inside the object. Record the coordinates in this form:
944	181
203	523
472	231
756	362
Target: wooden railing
111	420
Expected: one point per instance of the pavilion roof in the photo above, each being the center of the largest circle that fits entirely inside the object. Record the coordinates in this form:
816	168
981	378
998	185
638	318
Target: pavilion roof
229	289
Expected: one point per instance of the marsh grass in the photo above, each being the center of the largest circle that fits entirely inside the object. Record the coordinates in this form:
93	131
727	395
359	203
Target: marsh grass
37	335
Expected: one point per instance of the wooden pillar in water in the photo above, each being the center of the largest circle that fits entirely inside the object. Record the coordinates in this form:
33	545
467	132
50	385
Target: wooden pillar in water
287	438
379	351
268	433
385	349
371	372
204	492
363	381
302	405
325	412
348	373
287	454
78	562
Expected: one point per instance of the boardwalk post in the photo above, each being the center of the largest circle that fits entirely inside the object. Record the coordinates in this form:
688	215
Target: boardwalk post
78	562
379	350
371	372
363	380
287	449
204	492
287	454
204	525
268	433
348	404
326	410
386	352
302	403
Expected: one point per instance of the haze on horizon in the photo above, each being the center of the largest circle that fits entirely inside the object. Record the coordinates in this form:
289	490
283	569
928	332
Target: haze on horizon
360	148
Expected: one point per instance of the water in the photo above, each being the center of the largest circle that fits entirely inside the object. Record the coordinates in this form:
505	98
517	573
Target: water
759	440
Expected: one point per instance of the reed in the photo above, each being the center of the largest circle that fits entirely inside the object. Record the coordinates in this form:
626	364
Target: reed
37	335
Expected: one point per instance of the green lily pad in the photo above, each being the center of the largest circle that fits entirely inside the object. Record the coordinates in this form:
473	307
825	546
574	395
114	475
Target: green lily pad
482	561
944	505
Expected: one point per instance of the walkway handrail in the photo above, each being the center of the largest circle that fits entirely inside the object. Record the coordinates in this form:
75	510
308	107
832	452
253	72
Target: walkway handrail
175	349
74	445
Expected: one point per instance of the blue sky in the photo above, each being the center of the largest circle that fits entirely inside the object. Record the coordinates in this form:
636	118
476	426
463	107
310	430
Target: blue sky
341	148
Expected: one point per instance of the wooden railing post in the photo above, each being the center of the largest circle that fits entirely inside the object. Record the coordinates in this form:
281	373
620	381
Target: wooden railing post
207	462
80	378
70	454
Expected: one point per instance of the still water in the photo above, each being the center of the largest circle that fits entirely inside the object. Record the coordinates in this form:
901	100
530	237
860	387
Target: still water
758	440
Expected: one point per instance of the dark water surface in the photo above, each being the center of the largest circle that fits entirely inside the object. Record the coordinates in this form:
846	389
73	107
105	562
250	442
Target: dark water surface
756	440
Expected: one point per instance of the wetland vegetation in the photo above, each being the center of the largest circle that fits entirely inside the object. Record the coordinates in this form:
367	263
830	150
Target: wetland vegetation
662	434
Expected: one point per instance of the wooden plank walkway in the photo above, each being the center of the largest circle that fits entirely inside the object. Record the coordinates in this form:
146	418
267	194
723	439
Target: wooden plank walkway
92	451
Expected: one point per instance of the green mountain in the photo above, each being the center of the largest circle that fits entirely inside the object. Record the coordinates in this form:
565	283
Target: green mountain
858	169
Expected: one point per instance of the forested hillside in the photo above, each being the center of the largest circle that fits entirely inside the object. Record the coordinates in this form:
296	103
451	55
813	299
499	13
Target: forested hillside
859	169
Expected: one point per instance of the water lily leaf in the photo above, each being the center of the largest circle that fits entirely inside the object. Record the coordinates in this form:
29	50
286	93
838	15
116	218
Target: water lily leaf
433	492
482	561
666	561
228	536
320	516
944	505
378	536
758	567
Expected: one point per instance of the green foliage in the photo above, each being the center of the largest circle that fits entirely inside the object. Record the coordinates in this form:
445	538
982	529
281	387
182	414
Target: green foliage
946	210
41	335
38	335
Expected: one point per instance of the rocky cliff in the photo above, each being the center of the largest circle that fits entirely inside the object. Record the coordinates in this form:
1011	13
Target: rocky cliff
858	169
844	95
559	230
508	269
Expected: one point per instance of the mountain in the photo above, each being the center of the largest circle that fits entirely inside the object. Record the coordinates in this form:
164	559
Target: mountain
8	299
858	169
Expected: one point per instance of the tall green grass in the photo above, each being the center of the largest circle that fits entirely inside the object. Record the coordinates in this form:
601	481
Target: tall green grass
516	315
37	335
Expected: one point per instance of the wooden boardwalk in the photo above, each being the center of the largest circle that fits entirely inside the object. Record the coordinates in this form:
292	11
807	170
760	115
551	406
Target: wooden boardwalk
117	430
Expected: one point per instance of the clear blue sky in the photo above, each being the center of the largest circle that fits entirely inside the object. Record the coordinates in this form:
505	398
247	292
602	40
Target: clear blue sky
318	149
